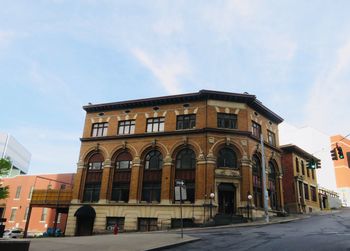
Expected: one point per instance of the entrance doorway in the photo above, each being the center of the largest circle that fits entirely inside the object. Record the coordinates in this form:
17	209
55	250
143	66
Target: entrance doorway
85	220
227	198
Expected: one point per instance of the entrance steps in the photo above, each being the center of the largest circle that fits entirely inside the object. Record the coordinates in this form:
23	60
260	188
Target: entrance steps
226	219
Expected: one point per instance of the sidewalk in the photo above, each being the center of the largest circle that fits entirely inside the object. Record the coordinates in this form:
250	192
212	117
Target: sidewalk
136	241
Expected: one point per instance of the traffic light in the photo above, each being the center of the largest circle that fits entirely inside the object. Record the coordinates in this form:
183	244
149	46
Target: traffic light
334	154
318	164
311	164
340	152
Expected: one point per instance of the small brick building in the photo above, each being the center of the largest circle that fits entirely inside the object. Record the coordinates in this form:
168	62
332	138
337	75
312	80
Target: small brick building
133	151
15	208
299	182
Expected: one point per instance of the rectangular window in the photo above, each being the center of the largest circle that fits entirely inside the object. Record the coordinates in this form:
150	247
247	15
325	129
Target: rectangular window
13	214
228	121
95	165
306	191
271	138
313	193
92	193
155	125
313	173
111	221
26	214
308	172
186	122
99	129
120	192
18	192
256	129
126	127
43	214
151	192
30	192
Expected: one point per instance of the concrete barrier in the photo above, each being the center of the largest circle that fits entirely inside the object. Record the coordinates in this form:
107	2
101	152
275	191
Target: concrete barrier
14	245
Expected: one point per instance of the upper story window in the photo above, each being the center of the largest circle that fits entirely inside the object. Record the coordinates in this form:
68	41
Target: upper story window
297	165
126	127
228	121
124	161
99	129
271	138
18	192
186	122
154	160
186	159
155	124
227	158
256	129
302	168
96	162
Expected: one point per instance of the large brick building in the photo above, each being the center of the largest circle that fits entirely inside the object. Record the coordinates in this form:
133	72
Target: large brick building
342	168
299	182
133	151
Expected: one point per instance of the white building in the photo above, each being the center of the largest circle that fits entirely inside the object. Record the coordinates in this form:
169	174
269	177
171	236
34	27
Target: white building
316	143
18	154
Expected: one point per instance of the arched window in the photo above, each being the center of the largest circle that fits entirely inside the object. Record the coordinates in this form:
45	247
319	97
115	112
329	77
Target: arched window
186	159
122	176
272	185
227	158
152	177
93	178
186	171
154	160
257	182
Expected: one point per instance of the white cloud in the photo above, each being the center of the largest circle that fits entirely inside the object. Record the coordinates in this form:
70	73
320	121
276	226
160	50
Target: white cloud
328	102
168	68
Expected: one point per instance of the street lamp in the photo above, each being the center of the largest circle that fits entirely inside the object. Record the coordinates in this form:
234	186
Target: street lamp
212	195
250	197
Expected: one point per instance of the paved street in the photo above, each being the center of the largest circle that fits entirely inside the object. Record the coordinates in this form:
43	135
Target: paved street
324	232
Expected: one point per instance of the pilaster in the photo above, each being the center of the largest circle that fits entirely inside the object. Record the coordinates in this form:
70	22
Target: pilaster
105	181
135	180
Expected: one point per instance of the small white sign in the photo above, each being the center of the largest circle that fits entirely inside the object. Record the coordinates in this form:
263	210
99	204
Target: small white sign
183	193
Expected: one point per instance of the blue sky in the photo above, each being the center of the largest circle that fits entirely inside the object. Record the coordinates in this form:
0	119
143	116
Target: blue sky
56	56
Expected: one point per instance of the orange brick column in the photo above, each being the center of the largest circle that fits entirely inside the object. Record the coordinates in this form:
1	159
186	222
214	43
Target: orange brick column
200	182
166	174
210	176
135	180
78	186
247	181
105	181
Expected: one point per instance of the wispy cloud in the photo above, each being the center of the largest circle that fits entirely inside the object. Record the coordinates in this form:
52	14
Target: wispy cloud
168	69
329	97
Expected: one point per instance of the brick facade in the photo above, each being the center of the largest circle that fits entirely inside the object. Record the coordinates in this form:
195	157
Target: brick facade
205	140
299	184
25	183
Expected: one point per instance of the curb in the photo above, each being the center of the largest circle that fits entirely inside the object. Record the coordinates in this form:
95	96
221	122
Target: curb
166	246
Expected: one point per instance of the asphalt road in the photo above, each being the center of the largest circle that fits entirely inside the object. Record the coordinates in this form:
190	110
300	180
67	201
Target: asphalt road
322	232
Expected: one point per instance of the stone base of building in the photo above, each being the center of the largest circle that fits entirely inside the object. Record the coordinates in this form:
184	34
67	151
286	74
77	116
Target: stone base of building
135	217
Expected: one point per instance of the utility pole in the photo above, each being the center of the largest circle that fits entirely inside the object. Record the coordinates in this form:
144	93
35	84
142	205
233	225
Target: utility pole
266	196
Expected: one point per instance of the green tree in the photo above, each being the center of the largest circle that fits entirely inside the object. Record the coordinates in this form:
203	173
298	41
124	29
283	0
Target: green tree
5	166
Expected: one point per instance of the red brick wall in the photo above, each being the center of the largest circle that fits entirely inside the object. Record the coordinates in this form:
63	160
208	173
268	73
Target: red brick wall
288	177
26	182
